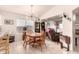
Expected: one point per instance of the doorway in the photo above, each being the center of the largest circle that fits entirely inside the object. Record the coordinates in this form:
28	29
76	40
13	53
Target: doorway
76	30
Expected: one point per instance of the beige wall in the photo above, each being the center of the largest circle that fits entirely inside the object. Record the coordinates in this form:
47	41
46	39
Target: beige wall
10	28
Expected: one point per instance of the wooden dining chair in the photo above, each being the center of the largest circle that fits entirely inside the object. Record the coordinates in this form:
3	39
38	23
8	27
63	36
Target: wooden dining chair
31	41
41	40
28	41
24	38
4	44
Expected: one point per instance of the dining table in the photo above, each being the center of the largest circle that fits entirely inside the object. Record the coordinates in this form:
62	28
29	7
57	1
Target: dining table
34	36
35	39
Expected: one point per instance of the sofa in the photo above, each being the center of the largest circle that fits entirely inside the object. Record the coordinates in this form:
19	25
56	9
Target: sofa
52	35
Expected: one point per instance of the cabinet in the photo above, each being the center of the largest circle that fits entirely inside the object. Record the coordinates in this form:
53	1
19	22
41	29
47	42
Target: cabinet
43	26
37	27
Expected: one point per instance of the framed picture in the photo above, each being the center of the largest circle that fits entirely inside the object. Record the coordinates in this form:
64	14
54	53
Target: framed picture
8	21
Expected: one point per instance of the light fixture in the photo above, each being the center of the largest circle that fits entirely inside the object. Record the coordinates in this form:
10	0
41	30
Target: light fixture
32	16
31	6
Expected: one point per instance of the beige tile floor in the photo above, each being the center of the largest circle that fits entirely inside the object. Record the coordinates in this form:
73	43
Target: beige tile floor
52	48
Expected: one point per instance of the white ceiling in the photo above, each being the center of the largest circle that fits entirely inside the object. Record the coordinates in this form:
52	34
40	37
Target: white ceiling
37	10
56	18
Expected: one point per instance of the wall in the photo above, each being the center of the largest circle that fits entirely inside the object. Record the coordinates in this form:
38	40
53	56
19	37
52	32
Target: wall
67	27
10	28
50	24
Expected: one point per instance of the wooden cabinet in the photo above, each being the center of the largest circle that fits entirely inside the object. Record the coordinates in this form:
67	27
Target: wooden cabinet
37	27
43	26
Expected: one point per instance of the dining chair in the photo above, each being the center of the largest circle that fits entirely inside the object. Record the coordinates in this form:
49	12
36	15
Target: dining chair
41	40
4	44
29	40
24	35
24	38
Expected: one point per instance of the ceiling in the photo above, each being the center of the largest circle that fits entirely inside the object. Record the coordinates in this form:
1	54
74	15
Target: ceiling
37	10
57	18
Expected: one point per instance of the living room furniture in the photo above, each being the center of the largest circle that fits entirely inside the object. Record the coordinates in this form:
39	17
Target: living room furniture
52	35
24	35
37	27
41	40
65	42
4	44
34	39
43	26
11	38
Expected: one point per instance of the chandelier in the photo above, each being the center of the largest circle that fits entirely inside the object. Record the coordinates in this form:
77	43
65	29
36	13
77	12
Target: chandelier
31	6
32	16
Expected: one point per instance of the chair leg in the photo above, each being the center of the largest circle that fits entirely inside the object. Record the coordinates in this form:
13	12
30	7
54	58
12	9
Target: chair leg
7	52
25	44
45	46
68	47
41	49
61	45
7	49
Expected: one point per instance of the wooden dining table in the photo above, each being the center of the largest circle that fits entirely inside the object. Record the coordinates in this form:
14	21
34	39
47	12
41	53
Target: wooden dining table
35	39
34	36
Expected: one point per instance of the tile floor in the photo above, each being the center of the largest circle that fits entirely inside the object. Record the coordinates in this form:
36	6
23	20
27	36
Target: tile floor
52	48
